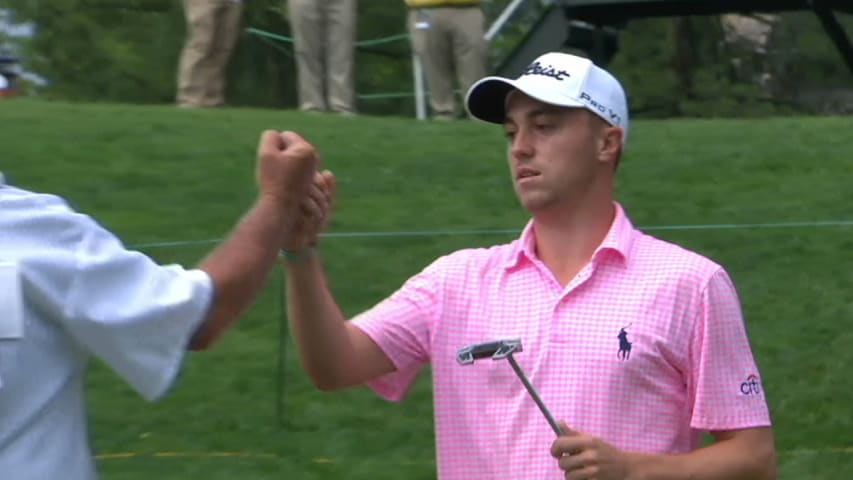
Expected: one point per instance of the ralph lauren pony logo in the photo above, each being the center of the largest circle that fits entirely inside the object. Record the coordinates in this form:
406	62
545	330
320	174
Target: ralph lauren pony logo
536	68
624	345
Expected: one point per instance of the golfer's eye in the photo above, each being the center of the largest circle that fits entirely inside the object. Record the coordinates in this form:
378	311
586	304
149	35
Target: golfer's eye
510	134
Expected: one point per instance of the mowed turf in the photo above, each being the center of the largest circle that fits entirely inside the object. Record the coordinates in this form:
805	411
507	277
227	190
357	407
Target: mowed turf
761	196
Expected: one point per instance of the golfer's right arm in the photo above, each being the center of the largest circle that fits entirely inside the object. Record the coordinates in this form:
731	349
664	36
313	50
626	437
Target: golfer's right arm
335	353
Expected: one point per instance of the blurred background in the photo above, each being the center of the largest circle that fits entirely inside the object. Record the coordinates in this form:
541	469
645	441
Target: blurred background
739	64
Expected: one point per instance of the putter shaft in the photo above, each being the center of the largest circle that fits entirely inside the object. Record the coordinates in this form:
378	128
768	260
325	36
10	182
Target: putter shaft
532	392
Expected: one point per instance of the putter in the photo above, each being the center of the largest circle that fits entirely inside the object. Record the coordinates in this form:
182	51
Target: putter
498	350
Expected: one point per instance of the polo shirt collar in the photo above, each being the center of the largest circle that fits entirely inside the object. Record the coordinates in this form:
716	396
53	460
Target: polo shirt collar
618	240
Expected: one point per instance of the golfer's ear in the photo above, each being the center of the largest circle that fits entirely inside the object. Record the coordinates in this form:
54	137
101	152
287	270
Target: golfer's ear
611	144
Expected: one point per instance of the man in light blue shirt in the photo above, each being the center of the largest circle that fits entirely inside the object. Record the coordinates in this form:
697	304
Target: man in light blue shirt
69	290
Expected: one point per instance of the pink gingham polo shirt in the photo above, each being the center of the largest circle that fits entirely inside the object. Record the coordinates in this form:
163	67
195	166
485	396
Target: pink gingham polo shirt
684	364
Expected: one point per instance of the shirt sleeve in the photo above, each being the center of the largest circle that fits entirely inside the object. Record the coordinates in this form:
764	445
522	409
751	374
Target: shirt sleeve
724	381
135	315
401	326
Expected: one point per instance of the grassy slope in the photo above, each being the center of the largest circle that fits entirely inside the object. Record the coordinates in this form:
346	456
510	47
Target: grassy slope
157	174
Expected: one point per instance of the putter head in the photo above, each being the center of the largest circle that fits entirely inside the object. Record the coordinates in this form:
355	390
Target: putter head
497	350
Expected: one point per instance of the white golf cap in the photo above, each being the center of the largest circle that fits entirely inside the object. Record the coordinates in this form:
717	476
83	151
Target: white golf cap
558	79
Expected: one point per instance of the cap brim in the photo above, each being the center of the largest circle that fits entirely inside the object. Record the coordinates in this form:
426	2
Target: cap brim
486	99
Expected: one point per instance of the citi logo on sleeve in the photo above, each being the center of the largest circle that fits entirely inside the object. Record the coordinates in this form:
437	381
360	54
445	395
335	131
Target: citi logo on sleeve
752	385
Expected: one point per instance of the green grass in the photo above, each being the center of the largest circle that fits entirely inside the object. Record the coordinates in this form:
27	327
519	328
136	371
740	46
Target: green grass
158	174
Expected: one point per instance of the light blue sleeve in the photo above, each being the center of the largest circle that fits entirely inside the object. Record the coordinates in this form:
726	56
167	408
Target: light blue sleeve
119	305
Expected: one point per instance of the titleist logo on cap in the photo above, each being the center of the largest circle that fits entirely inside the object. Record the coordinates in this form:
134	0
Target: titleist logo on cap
536	68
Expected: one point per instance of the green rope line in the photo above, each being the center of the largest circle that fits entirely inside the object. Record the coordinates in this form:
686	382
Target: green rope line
379	41
273	36
268	38
372	96
843	223
363	43
278	47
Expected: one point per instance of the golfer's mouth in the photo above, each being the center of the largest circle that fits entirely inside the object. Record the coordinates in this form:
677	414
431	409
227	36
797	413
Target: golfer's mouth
524	173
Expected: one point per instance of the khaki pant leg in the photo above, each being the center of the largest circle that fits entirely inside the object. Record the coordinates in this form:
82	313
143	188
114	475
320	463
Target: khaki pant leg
432	45
194	69
228	21
308	33
340	50
470	49
752	31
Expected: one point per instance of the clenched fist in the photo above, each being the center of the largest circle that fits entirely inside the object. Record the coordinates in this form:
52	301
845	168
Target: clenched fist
286	167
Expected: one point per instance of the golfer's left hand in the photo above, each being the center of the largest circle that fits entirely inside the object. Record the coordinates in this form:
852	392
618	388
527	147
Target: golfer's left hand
314	213
584	457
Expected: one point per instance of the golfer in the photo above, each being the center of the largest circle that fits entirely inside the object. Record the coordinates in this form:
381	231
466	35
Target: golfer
636	345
